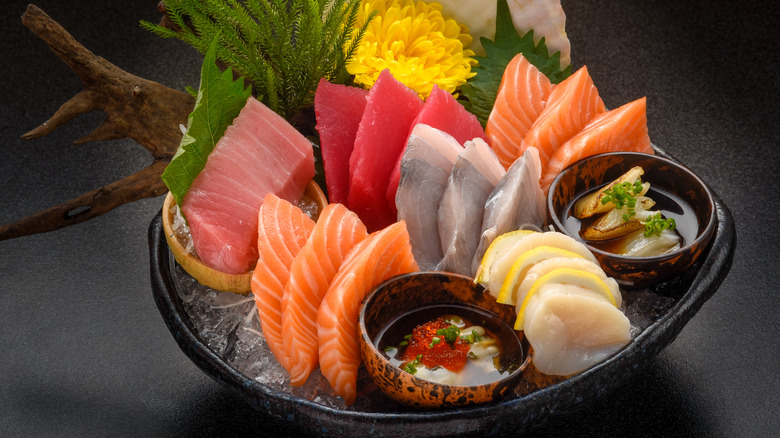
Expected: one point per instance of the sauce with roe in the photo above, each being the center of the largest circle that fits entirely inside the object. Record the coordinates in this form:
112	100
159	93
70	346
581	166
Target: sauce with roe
432	350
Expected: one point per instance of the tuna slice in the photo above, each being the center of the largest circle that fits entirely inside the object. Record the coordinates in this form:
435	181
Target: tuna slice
260	153
381	137
338	109
443	112
425	168
516	203
474	176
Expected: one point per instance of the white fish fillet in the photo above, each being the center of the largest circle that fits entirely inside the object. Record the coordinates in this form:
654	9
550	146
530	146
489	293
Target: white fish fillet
474	176
425	168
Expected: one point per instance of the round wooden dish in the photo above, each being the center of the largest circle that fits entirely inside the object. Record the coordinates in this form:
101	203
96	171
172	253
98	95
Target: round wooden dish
208	276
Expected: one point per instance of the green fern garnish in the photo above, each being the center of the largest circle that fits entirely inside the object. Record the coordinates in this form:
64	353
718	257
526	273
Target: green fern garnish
281	47
480	91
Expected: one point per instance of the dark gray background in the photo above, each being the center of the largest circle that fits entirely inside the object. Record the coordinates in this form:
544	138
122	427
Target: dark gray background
85	351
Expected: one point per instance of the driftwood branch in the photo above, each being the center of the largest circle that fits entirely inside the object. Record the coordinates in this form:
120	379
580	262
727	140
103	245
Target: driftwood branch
137	108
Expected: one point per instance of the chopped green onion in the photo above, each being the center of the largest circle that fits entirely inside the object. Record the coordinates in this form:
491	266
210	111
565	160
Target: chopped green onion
434	341
450	333
655	224
623	194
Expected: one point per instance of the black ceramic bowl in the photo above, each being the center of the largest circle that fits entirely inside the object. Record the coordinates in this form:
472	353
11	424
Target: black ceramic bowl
429	293
662	173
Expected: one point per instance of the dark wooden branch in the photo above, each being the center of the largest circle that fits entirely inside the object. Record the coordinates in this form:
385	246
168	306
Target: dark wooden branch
143	184
137	108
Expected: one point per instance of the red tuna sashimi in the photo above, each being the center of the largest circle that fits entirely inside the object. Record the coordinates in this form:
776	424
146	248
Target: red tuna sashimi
338	109
384	128
260	153
382	255
621	129
522	96
571	105
283	230
443	112
337	231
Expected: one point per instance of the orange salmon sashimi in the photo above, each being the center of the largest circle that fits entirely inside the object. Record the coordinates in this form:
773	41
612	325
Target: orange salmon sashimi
337	231
621	129
522	96
572	104
382	255
283	230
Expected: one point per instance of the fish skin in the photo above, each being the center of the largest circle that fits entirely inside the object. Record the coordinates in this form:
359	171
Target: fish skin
283	230
382	255
336	232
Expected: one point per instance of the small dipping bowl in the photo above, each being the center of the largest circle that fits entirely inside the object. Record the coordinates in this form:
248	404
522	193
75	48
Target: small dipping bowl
411	294
678	192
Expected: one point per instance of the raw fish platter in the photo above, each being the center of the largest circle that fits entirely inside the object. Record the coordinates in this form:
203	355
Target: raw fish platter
395	144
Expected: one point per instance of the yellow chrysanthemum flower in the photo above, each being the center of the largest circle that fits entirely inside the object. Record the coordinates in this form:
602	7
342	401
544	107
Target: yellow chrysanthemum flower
419	46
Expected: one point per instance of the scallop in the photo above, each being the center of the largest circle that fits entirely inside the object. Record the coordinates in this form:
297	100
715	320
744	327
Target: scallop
548	265
571	329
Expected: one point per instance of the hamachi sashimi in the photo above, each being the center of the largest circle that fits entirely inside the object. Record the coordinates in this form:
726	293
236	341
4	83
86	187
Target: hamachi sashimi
440	111
425	168
382	255
337	231
570	106
338	109
381	137
521	97
517	202
621	129
474	176
283	230
221	206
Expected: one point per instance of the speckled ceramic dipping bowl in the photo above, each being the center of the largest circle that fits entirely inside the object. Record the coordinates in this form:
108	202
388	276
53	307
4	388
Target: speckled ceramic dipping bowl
664	173
405	293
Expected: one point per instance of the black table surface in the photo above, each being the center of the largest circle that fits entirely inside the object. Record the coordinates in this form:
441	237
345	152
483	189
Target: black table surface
86	353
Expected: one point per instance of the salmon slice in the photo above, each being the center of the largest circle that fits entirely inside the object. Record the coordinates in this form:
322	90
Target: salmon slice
571	105
337	231
382	255
282	231
621	129
522	96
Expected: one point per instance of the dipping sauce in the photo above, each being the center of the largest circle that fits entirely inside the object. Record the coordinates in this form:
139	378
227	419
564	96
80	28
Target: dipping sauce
669	204
451	344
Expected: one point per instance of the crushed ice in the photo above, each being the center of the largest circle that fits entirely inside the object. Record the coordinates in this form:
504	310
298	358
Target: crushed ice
228	324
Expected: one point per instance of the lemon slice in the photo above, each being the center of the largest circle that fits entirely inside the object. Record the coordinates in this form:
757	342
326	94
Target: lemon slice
499	268
508	292
497	249
583	279
547	265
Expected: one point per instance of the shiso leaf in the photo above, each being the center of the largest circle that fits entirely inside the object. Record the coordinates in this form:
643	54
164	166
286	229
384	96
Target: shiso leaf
219	101
480	91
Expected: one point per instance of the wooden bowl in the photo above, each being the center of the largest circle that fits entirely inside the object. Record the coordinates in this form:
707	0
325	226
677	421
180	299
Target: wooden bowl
664	173
313	202
407	293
